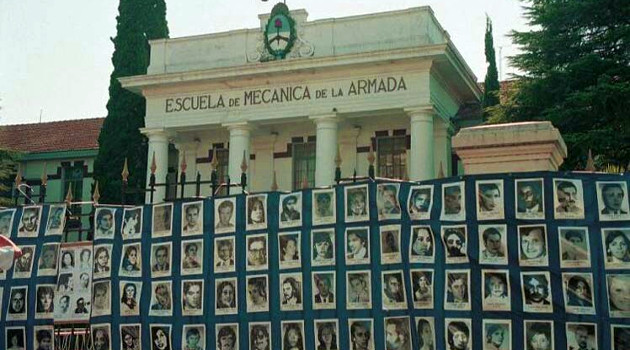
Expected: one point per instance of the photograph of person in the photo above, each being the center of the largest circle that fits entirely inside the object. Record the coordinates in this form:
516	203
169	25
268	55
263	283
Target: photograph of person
161	299
568	199
581	336
160	336
533	245
455	240
224	254
616	248
290	210
574	247
426	333
357	200
63	309
56	219
161	259
394	296
15	338
458	334
260	336
620	336
192	218
65	283
291	291
132	223
578	293
162	221
257	252
130	337
44	339
17	303
422	287
324	290
6	221
224	215
359	290
357	245
361	334
192	257
490	200
612	200
421	248
529	199
227	336
101	336
390	244
323	243
536	292
387	201
192	298
104	223
257	212
538	335
101	298
493	244
257	293
102	261
497	334
194	337
24	264
397	333
293	335
457	290
131	291
496	290
81	307
324	207
29	222
420	202
289	245
131	263
453	206
326	334
44	304
85	259
226	296
619	295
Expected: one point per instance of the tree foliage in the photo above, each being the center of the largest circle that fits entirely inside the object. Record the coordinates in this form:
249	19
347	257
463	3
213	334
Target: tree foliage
8	170
137	22
576	64
491	84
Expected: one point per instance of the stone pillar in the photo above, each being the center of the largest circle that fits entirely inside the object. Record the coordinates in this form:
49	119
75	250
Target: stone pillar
442	152
240	143
325	149
158	146
421	160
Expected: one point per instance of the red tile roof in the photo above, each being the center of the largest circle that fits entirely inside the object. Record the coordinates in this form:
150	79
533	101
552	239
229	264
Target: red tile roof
80	134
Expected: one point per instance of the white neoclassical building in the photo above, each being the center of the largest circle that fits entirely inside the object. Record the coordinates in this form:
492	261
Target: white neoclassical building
292	92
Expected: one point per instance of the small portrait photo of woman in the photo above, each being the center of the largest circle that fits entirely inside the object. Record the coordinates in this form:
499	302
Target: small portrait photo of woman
45	307
422	286
578	293
498	334
421	246
326	334
130	292
256	212
162	220
357	203
67	259
226	296
160	337
420	202
538	335
290	249
323	247
132	223
617	248
102	261
426	333
131	263
293	335
130	337
490	200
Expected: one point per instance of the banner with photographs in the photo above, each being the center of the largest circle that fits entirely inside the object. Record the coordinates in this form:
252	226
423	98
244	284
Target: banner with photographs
506	261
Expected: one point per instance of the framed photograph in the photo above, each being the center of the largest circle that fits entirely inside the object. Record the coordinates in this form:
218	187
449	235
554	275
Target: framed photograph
131	263
497	334
291	297
612	200
575	250
493	244
496	290
194	337
458	333
616	243
357	200
18	300
192	257
224	254
420	202
192	297
397	333
227	336
357	245
161	259
132	223
618	292
361	333
260	336
293	335
290	210
257	252
455	240
533	245
323	243
578	293
387	202
454	205
581	335
422	287
457	290
324	290
44	337
326	334
101	336
162	221
568	199
160	336
29	222
289	244
24	264
130	292
161	298
15	338
102	261
62	310
56	219
224	218
536	292
393	293
85	258
422	245
538	332
6	221
192	218
226	296
101	298
44	302
324	207
529	199
104	223
257	293
131	336
390	244
256	212
619	335
490	199
358	290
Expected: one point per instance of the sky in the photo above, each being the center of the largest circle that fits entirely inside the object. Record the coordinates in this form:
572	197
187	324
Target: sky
55	56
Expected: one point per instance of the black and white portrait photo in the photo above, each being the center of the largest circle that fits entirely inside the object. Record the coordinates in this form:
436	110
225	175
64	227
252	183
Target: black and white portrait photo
17	307
458	333
497	334
132	223
161	299
529	199
29	222
102	261
291	297
393	290
490	199
224	254
422	288
131	262
536	291
357	245
568	199
224	218
192	218
101	336
324	207
323	243
15	338
257	252
256	212
496	290
293	335
192	257
161	259
226	296
421	246
578	293
455	240
357	203
538	335
192	298
56	219
420	202
44	337
612	200
426	333
257	293
324	291
493	244
62	309
453	203
457	290
194	337
387	202
620	335
290	210
227	336
24	264
358	290
130	292
326	334
533	245
397	333
131	337
390	244
574	247
618	295
260	336
361	333
616	248
289	245
104	223
101	298
162	220
44	302
6	221
581	336
47	265
160	336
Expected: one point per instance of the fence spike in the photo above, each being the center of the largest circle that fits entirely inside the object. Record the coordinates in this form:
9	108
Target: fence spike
441	171
96	195
215	160
153	166
305	182
69	195
371	157
590	163
274	182
125	171
244	162
44	177
18	176
184	165
338	158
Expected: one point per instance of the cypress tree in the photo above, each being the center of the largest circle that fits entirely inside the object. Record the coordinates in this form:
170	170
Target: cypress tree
491	84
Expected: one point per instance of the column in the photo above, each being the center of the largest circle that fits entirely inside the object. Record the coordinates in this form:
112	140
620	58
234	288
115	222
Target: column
442	149
239	143
421	159
158	146
325	148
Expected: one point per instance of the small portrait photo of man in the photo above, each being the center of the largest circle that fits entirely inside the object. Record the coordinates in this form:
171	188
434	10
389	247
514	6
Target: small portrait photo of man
257	252
619	295
131	337
47	265
291	291
161	299
612	199
162	221
533	245
357	200
578	293
616	248
326	334
457	290
104	223
130	292
192	218
44	304
257	293
15	338
529	199
538	335
422	287
160	337
397	333
194	337
192	298
421	246
490	200
132	223
62	310
101	336
101	298
458	334
536	292
24	264
453	206
393	291
290	210
29	222
260	336
6	221
44	339
420	202
192	257
17	303
497	334
357	245
390	244
81	308
359	290
496	290
581	336
226	296
455	241
161	259
224	254
324	207
361	334
493	244
568	200
620	335
293	335
289	245
56	219
387	202
574	247
256	212
224	210
324	290
323	243
227	336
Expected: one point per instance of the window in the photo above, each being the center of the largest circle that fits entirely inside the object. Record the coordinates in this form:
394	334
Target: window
391	154
72	177
223	156
303	164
